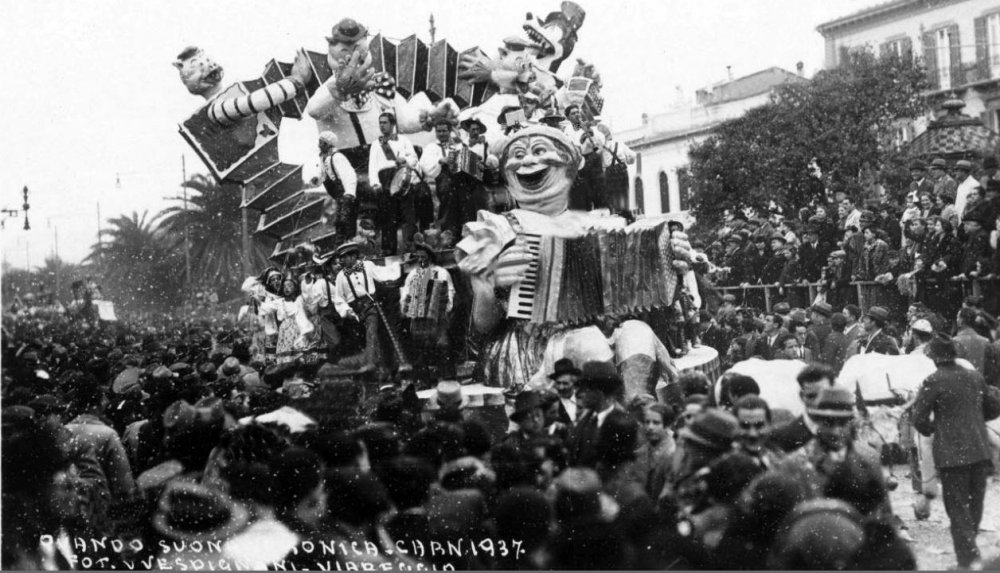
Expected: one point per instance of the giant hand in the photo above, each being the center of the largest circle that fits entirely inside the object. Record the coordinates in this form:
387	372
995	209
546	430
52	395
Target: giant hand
354	75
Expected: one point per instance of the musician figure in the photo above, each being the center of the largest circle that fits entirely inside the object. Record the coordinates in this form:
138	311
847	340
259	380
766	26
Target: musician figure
588	189
393	156
341	183
478	196
426	299
354	299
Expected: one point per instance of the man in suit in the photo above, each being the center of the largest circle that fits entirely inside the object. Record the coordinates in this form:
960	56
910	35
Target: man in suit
712	334
877	341
598	391
812	255
834	350
949	406
853	329
795	434
920	183
794	349
970	345
564	383
768	345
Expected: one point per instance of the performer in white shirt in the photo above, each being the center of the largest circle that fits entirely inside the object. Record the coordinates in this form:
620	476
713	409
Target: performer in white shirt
318	294
354	298
434	168
426	299
385	158
341	182
588	190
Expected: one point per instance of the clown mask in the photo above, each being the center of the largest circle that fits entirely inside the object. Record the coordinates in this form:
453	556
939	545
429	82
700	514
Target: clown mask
200	74
539	166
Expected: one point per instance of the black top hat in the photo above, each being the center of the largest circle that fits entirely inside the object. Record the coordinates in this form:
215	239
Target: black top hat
562	367
601	376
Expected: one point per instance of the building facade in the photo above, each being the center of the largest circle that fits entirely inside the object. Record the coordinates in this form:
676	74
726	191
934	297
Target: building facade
659	182
958	41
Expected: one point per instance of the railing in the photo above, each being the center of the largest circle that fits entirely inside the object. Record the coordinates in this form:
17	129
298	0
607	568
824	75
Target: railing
866	293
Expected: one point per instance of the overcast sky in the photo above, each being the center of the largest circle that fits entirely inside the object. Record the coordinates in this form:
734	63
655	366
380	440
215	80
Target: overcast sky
91	102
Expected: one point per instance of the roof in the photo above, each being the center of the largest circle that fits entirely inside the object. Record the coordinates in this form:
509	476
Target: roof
748	86
867	14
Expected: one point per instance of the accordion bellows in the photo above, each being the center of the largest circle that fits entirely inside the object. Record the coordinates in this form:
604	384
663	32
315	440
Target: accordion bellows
428	297
604	273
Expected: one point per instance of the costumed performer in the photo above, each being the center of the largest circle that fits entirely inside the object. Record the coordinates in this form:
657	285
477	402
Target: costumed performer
294	326
538	164
340	181
262	290
426	299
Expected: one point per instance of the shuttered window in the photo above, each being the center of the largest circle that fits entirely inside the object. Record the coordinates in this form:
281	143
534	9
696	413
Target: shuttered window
640	196
665	206
943	53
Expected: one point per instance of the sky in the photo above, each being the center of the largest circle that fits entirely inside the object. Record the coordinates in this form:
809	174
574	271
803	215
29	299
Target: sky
91	102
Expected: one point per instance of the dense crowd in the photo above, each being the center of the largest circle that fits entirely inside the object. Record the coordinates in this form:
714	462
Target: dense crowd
170	446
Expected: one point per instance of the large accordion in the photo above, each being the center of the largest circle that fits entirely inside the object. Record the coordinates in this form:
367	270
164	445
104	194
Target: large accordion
604	273
428	297
461	159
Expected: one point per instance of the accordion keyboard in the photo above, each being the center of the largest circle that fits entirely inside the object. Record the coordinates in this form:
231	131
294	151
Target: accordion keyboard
522	295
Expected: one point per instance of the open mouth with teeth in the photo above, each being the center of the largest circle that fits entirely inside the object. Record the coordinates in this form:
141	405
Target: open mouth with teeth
531	178
539	40
214	76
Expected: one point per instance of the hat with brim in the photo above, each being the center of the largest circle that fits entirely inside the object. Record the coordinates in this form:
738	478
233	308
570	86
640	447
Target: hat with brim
467	123
126	381
347	31
713	429
939	163
524	403
562	367
782	308
348	248
964	165
418	246
600	376
552	120
836	402
448	394
878	313
922	325
321	260
823	309
192	512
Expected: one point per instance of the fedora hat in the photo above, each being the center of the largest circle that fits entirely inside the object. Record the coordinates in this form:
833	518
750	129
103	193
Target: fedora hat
939	163
601	376
469	122
524	403
878	313
562	367
448	393
941	350
713	429
964	165
193	512
835	402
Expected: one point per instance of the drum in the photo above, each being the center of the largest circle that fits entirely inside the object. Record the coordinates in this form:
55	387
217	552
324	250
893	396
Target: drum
404	180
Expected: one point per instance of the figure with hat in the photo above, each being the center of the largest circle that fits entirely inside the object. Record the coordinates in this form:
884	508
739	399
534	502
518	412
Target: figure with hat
340	180
599	390
949	407
263	291
877	341
318	301
426	299
355	299
920	183
564	379
588	190
529	416
392	172
942	181
976	253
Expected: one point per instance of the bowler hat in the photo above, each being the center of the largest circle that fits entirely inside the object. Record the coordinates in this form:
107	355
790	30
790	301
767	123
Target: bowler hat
941	350
878	313
562	367
835	402
601	376
782	308
347	31
714	429
524	403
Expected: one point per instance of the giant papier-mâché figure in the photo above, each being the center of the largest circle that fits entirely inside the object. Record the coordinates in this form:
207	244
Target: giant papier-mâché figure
538	165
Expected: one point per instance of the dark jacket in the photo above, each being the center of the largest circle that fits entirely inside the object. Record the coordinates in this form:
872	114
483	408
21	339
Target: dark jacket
973	347
976	251
881	343
811	260
954	396
835	350
583	439
768	351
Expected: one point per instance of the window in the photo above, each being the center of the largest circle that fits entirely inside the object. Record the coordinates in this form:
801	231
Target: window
640	196
993	35
943	49
684	188
664	193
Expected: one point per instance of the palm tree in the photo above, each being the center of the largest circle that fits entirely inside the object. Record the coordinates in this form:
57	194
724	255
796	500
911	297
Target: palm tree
137	265
212	219
57	275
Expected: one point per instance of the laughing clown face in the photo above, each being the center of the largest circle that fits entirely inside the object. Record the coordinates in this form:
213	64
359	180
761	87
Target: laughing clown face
539	165
200	74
